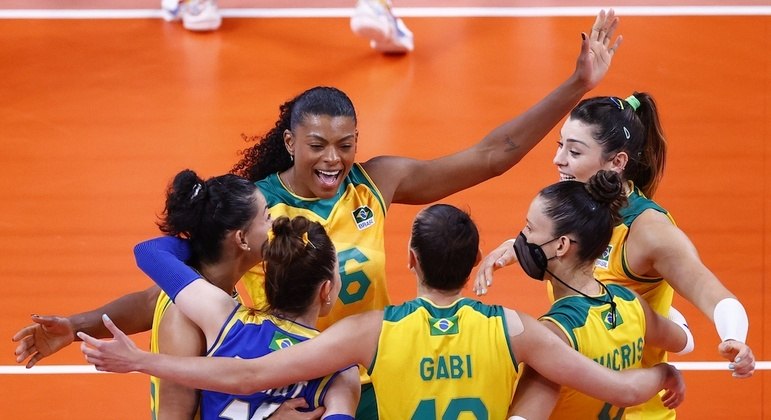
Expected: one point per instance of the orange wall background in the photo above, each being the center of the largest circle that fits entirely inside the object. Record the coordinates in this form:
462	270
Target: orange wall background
96	116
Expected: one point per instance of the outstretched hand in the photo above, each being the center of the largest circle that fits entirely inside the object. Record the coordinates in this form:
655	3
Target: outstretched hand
118	354
45	337
742	361
499	257
597	51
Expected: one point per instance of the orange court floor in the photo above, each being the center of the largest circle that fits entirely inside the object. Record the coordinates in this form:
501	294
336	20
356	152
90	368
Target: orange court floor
97	115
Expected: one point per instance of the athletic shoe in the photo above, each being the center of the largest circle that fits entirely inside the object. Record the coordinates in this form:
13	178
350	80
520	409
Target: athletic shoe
374	20
196	15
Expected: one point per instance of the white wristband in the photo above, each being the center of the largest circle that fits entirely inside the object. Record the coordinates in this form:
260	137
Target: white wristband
731	320
678	318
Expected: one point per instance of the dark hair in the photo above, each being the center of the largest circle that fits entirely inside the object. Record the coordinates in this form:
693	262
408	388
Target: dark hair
204	211
446	242
621	128
589	211
269	155
293	268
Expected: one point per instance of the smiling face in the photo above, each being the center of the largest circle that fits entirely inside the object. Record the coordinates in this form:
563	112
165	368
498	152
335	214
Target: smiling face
324	149
579	156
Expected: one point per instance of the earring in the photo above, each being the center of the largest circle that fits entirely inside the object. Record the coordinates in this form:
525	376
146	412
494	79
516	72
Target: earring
291	157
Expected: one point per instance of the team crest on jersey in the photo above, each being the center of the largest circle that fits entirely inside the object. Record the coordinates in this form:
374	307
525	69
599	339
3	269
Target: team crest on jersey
443	326
364	217
281	341
602	262
607	318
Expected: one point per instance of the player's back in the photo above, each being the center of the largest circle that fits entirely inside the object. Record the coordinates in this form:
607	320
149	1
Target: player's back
437	362
248	334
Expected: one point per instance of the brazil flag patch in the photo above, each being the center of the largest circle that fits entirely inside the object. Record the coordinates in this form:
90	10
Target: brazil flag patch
607	319
282	341
444	326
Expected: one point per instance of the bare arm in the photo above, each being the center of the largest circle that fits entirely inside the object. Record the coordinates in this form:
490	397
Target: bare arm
537	347
656	247
330	351
133	313
49	334
178	336
662	333
343	395
410	181
535	396
206	305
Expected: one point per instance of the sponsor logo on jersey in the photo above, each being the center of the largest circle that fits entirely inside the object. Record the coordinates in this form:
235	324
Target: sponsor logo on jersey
602	262
444	326
364	217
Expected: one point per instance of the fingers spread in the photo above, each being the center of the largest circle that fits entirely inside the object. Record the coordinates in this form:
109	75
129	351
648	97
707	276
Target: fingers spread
24	332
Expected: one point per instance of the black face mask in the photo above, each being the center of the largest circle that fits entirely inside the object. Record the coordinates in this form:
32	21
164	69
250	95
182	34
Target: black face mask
531	257
533	261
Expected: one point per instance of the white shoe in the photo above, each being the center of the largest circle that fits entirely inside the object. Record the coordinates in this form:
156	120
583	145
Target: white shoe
196	15
387	33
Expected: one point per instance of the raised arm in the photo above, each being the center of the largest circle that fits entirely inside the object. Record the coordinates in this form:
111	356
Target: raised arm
133	313
656	246
161	259
329	352
410	181
542	350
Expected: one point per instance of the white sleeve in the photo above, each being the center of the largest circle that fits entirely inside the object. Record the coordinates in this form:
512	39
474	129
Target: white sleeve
731	320
678	318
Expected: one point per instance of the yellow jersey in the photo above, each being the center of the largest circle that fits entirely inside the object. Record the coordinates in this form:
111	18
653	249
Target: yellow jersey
590	328
161	304
355	221
436	362
612	268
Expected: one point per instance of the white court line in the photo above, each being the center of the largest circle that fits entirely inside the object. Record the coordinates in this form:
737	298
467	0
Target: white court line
88	369
400	11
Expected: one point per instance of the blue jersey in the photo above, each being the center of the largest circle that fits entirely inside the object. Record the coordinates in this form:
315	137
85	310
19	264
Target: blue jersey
248	334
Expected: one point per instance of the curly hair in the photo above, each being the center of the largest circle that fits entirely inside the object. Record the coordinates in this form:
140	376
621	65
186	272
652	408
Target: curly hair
269	155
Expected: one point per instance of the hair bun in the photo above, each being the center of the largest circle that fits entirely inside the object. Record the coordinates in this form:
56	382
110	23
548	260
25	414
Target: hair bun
605	186
282	226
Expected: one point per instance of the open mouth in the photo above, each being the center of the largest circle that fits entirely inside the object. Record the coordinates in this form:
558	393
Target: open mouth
328	178
565	177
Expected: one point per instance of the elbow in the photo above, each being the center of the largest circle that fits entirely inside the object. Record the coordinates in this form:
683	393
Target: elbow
243	388
240	385
140	254
245	383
